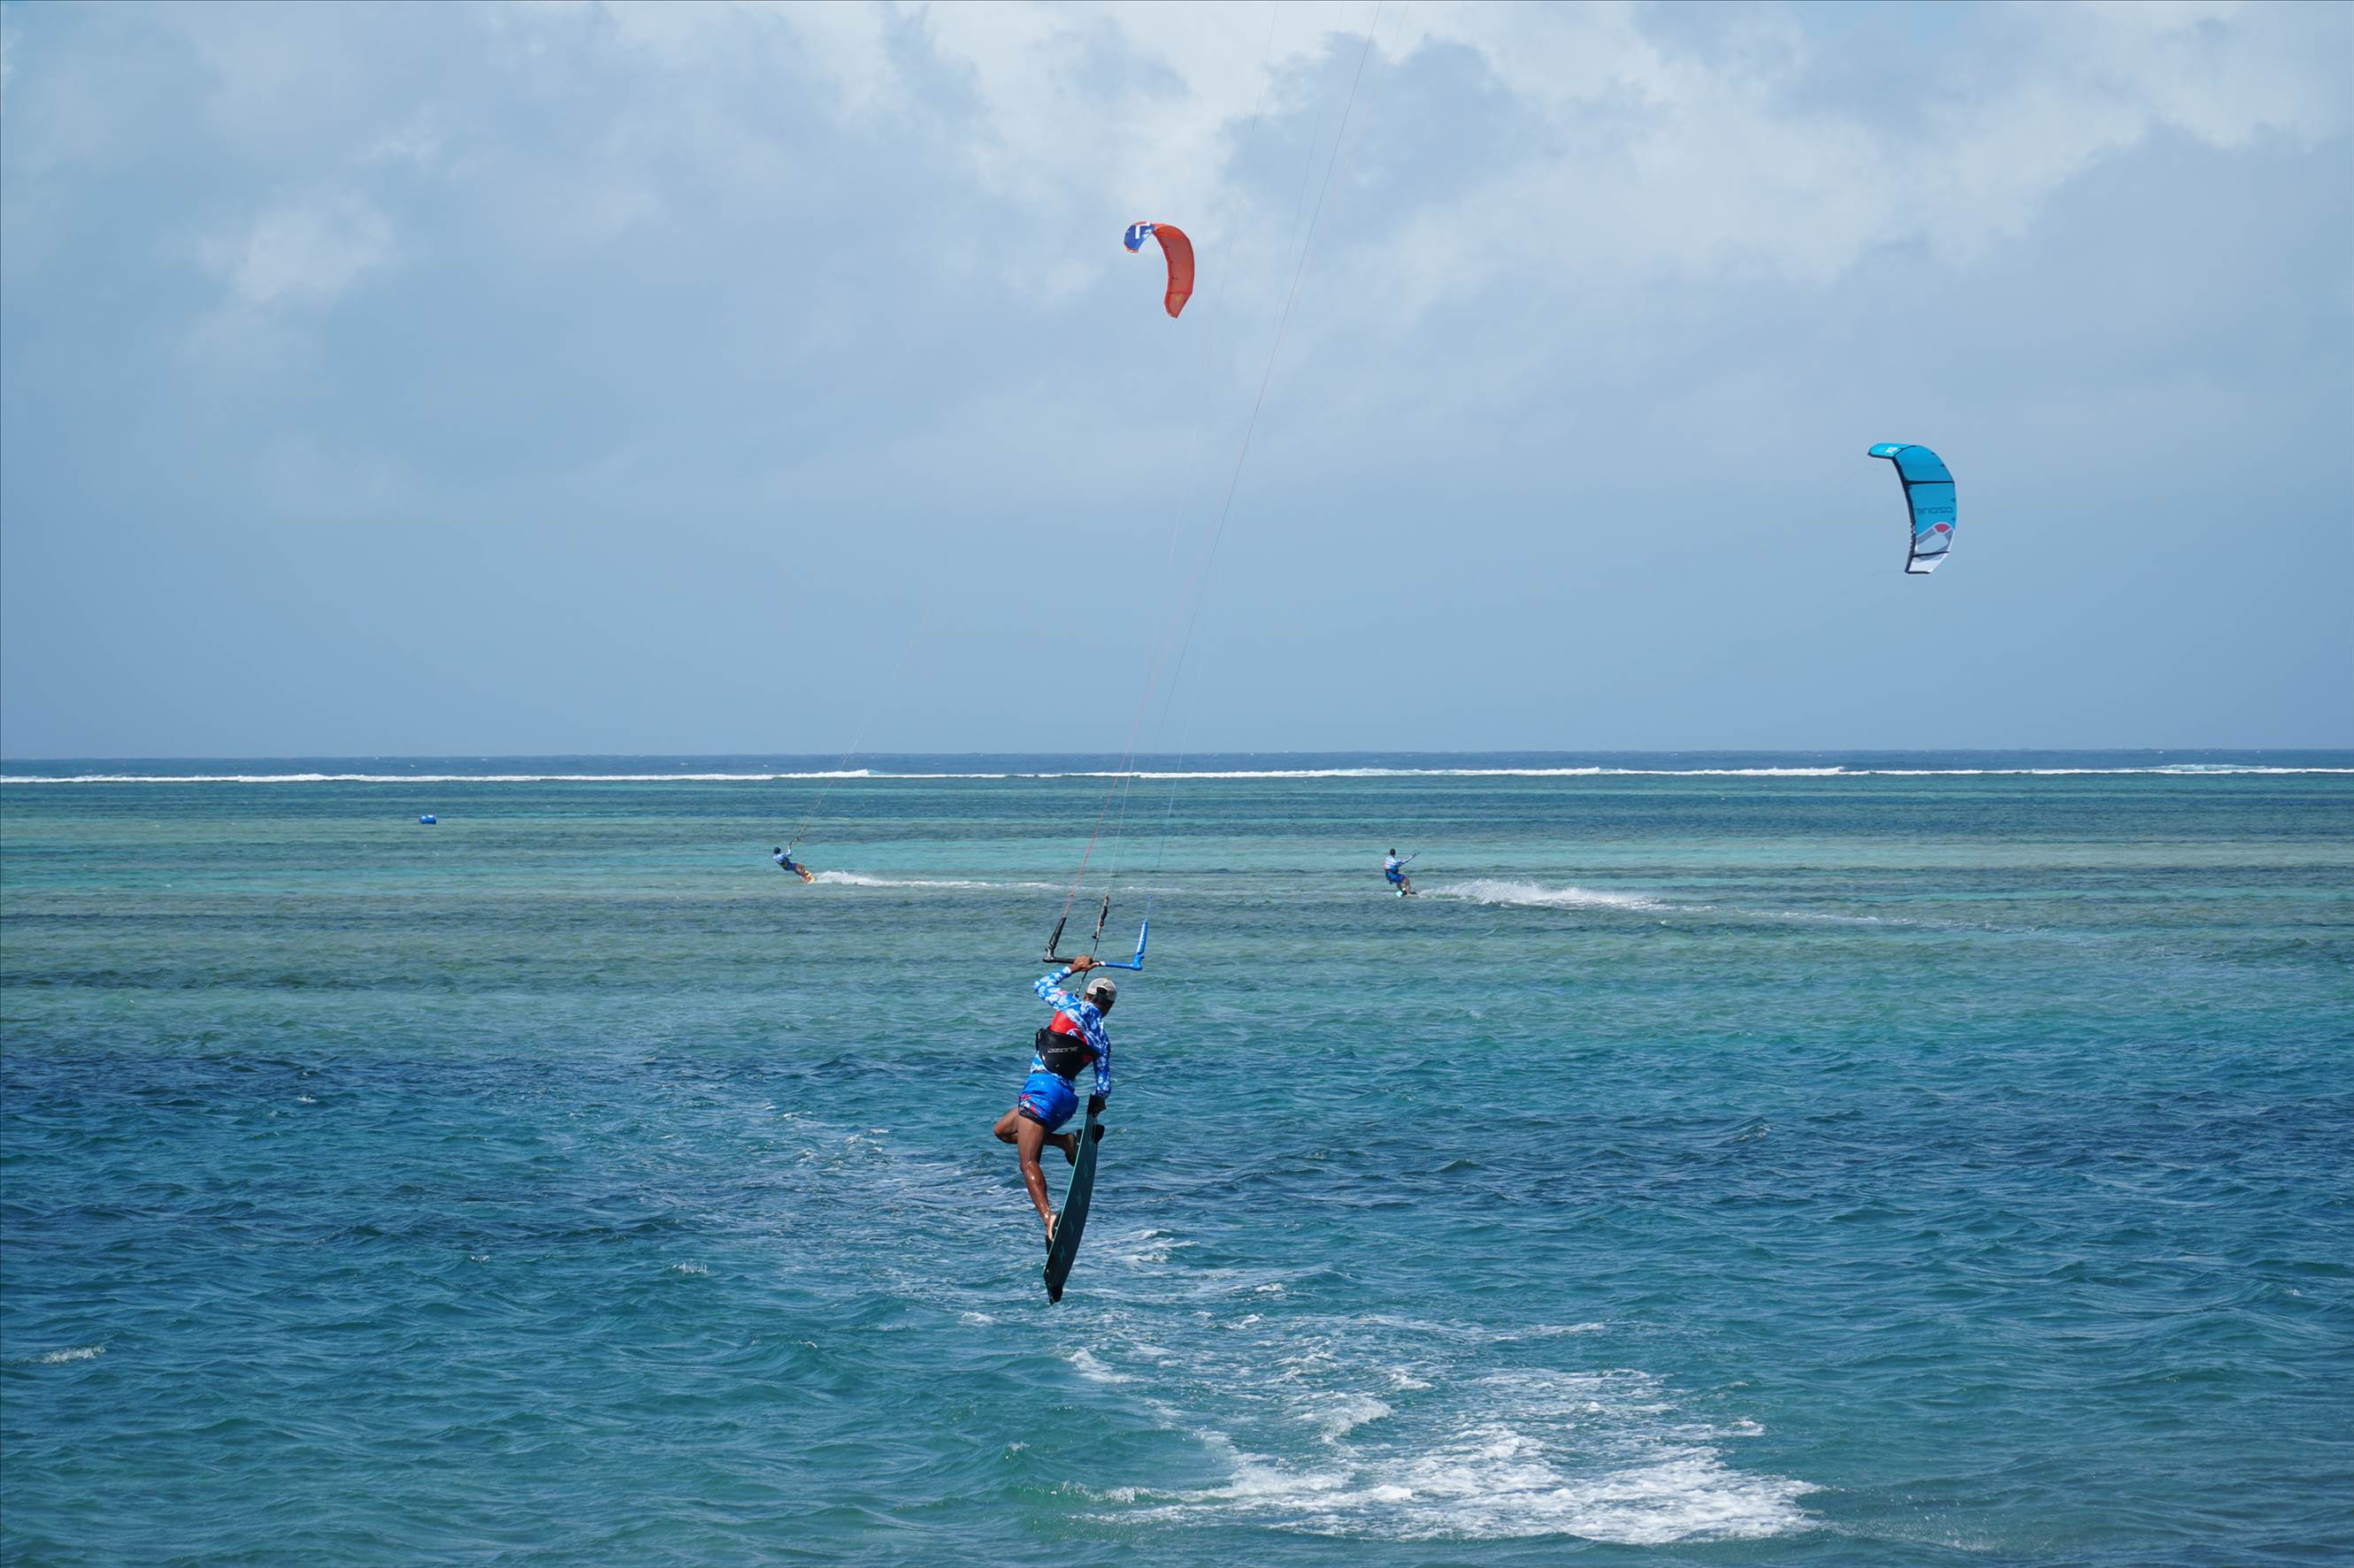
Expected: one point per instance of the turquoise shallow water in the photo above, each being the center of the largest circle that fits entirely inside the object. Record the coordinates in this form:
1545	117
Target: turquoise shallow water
1725	1162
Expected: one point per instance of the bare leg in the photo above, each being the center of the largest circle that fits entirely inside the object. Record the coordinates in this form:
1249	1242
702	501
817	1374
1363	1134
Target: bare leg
1027	1138
1068	1142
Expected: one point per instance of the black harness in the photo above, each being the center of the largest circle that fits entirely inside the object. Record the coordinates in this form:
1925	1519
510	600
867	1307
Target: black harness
1064	1054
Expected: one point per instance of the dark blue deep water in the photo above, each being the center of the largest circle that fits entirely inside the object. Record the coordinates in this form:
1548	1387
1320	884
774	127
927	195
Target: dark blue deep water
1937	1159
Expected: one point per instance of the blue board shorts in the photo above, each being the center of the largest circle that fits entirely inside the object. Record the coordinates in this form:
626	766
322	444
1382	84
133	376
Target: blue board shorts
1396	876
1047	1100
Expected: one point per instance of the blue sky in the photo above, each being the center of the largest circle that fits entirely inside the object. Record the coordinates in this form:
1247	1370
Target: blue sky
604	379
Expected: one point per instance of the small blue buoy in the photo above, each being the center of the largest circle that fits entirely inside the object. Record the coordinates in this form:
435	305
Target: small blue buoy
426	819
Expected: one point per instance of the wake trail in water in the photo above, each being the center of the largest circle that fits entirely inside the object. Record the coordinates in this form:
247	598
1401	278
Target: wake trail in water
1502	893
1356	1428
857	879
60	1358
1535	895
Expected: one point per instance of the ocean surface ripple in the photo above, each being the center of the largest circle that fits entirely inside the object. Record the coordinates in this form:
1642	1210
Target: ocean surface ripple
1769	1160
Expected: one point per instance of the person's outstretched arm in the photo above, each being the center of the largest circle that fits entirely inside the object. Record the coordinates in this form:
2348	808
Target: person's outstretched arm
1050	989
1050	992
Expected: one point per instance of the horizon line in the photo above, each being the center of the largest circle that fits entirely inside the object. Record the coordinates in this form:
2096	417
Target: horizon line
839	761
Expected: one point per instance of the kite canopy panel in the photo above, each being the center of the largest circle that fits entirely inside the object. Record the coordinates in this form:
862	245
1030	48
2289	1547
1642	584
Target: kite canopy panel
1929	496
1180	252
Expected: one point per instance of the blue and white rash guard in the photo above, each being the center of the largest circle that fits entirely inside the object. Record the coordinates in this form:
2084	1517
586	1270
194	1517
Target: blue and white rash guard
1075	1015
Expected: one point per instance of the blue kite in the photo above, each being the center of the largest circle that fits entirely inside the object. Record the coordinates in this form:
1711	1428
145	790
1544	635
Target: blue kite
1929	495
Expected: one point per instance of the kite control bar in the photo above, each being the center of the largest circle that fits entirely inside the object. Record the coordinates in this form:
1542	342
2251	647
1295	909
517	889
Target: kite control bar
1143	932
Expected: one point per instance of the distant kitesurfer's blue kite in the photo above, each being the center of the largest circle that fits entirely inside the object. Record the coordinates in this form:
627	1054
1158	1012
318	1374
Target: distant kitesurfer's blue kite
1929	494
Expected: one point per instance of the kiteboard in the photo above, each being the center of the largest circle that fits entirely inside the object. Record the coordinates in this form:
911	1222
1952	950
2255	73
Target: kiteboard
1064	1250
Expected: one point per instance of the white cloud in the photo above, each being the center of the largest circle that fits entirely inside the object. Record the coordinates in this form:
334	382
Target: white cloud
306	253
421	141
843	278
850	45
1699	161
1723	164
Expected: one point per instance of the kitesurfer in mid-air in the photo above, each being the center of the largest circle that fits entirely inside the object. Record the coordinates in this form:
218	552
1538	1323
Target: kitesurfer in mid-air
1395	869
1071	1040
783	856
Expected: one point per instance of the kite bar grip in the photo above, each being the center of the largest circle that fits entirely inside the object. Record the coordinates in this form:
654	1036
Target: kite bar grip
1144	933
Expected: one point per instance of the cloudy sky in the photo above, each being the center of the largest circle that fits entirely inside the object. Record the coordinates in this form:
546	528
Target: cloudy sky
605	378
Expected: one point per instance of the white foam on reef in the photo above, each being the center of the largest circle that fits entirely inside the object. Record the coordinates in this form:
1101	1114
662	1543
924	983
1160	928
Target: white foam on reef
460	778
2172	770
2167	769
58	1358
1533	895
1827	771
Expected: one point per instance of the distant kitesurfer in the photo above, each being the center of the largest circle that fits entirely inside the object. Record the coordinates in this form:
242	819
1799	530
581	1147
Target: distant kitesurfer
1395	869
1071	1040
783	856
